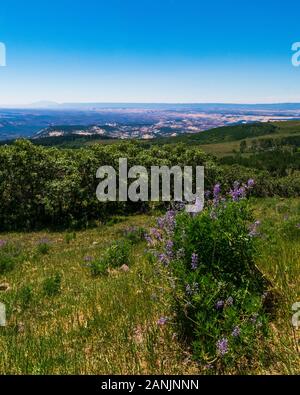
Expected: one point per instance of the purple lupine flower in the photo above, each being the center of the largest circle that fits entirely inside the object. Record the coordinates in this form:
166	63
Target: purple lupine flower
163	259
236	331
216	194
229	301
170	220
2	243
162	321
222	346
160	222
194	261
220	304
169	248
238	192
250	183
217	190
156	234
207	194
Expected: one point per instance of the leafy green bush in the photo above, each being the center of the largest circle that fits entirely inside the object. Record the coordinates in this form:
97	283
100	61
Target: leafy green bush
57	187
52	285
218	292
43	246
69	237
118	254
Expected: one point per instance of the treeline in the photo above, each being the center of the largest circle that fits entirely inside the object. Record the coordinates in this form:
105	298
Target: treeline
52	187
223	134
57	187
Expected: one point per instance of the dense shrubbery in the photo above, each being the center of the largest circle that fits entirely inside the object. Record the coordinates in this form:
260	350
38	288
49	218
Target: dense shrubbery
217	289
57	187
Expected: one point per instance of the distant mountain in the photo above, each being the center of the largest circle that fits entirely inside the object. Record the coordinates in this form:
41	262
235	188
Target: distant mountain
207	107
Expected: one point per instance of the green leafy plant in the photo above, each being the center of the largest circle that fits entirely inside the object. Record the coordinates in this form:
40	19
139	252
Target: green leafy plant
116	255
52	285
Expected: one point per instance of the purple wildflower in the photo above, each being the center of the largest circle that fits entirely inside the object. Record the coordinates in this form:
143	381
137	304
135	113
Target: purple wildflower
88	258
194	261
220	304
149	240
217	190
236	331
156	234
163	259
162	321
222	346
2	243
216	194
298	226
250	183
169	248
207	194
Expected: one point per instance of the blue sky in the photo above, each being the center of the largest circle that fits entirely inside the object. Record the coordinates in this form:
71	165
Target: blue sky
149	51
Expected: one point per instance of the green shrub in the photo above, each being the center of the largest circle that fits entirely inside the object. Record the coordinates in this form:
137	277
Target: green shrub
43	248
52	285
118	254
98	268
69	237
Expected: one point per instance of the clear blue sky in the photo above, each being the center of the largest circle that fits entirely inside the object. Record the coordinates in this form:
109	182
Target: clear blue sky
149	51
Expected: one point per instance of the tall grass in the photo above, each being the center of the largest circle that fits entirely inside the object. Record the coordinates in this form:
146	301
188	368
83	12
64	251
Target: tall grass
111	324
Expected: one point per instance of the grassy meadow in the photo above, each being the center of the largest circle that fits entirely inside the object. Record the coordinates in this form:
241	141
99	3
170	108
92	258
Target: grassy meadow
64	320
